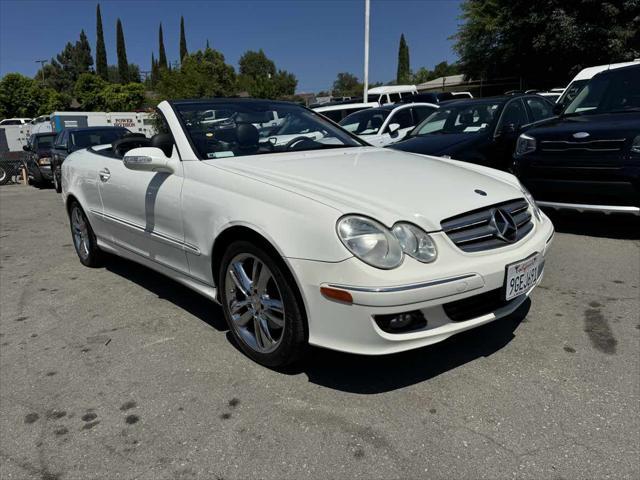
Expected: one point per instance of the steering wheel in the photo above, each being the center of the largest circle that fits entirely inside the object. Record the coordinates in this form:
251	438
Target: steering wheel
297	141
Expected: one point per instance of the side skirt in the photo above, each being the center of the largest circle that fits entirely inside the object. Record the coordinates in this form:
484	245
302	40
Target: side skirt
208	291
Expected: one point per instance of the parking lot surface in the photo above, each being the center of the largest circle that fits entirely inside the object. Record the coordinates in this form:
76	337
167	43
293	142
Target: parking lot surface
119	372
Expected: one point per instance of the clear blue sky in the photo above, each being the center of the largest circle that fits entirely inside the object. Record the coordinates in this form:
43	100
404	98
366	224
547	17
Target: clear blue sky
314	39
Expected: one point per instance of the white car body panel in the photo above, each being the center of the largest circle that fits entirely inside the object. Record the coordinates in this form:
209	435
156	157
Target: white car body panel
170	222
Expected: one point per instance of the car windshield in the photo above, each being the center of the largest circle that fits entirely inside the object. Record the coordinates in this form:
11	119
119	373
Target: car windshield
459	118
236	128
89	138
605	93
572	92
365	122
45	141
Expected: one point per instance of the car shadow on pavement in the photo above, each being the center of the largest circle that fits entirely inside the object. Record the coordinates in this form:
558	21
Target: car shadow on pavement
170	290
341	371
377	374
618	226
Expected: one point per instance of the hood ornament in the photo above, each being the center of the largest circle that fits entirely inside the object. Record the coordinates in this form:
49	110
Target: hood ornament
581	135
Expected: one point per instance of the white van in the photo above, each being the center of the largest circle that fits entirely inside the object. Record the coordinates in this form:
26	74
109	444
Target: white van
583	77
391	93
337	112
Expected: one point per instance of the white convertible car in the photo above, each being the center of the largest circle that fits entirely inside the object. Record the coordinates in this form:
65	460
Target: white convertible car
305	234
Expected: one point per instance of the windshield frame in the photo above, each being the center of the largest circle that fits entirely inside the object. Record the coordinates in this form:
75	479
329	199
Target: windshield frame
210	104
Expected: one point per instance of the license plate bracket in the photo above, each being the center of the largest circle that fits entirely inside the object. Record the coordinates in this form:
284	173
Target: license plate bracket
521	276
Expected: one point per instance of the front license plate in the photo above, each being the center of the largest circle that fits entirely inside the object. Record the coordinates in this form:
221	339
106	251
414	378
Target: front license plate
521	276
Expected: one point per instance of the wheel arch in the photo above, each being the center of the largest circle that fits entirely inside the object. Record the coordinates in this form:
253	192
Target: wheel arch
237	232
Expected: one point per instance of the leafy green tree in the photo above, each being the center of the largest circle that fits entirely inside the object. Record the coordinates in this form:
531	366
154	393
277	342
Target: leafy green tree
547	41
123	65
86	91
22	96
260	78
116	97
183	40
154	78
101	51
201	74
162	59
347	85
404	68
63	70
82	60
256	65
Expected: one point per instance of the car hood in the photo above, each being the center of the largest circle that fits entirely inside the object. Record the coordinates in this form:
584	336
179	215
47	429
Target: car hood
384	184
600	126
437	144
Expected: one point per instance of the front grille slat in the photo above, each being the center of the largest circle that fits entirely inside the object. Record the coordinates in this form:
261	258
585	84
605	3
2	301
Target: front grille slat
475	231
595	145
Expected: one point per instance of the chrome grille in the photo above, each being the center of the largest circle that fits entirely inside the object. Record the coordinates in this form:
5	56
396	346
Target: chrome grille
476	231
613	145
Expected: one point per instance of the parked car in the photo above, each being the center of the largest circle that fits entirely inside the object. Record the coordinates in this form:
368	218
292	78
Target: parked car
482	131
323	241
582	78
37	159
71	139
589	157
388	124
14	121
388	94
340	110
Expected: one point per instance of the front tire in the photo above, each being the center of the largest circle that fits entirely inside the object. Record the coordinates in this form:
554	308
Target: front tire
261	305
4	176
57	184
84	240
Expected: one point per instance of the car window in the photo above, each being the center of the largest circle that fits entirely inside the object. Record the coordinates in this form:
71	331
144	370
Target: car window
251	130
11	122
539	108
60	140
572	92
420	113
365	122
44	141
89	138
335	115
612	92
402	118
514	114
394	97
459	118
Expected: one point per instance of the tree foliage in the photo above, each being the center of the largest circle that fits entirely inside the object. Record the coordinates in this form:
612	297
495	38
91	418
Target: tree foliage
123	64
22	96
404	68
347	85
101	51
260	78
93	93
201	74
62	72
442	69
162	59
547	41
183	40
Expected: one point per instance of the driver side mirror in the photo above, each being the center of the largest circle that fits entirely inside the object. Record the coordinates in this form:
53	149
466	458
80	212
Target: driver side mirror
557	109
147	159
393	129
26	148
508	129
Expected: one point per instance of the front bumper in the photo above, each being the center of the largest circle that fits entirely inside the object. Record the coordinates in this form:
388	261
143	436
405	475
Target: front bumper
37	172
413	286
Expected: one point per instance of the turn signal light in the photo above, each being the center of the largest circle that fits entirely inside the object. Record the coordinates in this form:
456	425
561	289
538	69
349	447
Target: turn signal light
335	294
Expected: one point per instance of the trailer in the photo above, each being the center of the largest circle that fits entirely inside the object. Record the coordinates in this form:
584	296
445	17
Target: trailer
136	122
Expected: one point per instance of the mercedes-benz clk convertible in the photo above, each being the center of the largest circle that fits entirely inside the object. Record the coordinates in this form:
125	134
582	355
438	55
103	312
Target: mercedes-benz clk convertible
304	233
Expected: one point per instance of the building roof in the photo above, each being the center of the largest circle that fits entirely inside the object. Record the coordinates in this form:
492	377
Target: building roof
440	82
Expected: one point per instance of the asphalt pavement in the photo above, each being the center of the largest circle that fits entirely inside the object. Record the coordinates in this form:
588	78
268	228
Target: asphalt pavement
119	372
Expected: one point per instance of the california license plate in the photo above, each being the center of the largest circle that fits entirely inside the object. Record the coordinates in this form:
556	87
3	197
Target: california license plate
521	276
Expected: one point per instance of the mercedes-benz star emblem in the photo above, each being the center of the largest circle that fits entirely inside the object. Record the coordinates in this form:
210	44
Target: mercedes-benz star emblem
504	225
581	135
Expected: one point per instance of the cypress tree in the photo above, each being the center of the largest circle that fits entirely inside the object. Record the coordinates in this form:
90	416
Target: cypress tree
162	59
183	40
404	69
81	58
101	51
123	65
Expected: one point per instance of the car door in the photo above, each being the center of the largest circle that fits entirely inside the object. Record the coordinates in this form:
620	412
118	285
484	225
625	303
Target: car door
142	210
59	150
403	118
514	116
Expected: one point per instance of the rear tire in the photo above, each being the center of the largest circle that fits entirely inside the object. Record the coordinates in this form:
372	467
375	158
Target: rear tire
262	306
4	176
84	240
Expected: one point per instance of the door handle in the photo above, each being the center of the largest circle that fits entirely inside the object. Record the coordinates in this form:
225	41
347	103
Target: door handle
104	174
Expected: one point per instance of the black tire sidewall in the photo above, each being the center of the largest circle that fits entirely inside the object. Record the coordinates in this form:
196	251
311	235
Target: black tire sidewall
4	176
294	340
57	184
94	259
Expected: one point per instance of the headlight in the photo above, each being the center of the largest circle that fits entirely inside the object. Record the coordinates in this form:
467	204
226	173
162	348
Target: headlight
532	202
415	242
525	144
44	161
635	145
370	241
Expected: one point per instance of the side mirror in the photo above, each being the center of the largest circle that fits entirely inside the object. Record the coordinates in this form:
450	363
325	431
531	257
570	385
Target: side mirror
393	129
508	129
147	159
558	108
26	148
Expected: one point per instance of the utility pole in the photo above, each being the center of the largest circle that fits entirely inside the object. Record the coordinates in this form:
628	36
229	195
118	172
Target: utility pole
366	50
42	63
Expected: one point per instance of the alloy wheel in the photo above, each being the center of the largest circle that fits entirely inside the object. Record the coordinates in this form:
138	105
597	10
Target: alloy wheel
80	230
254	303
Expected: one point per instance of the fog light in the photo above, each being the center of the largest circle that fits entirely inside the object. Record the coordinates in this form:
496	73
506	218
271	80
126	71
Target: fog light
401	322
